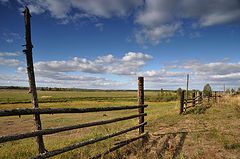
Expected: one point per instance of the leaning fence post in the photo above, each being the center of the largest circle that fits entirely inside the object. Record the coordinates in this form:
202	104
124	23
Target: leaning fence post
194	100
181	102
30	70
141	102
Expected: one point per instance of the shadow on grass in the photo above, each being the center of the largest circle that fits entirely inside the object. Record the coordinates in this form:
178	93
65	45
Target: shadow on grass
175	150
180	145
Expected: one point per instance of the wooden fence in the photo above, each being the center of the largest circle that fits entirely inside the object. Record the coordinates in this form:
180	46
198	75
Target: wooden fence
214	97
196	100
38	111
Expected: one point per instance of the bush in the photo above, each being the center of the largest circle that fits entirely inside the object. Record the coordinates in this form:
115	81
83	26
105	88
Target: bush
207	90
228	91
179	91
232	90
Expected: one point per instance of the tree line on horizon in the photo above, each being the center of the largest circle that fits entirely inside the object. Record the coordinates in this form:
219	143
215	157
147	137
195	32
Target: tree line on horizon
206	89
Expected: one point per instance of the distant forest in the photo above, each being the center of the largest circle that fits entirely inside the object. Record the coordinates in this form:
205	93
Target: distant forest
48	88
71	89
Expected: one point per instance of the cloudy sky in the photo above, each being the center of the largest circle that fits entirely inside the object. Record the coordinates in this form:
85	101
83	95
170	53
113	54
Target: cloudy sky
107	44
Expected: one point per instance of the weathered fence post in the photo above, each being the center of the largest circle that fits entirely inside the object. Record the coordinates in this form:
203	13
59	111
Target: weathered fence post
181	102
198	97
30	70
141	102
201	98
194	100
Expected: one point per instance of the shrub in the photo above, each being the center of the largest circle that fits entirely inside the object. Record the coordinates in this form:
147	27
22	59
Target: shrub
207	90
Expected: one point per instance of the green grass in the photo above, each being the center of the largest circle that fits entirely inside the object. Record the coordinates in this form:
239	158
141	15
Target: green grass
22	96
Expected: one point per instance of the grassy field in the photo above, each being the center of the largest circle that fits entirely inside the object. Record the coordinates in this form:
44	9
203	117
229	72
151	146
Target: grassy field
21	96
203	132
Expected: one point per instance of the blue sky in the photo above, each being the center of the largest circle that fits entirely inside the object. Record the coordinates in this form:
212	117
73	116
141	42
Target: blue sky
107	44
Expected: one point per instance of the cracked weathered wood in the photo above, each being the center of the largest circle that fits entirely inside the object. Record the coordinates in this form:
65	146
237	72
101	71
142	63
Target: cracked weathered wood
65	128
30	71
29	111
84	143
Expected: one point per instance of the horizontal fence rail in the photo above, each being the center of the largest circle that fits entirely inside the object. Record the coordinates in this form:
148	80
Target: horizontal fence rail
65	128
29	111
84	143
195	100
187	102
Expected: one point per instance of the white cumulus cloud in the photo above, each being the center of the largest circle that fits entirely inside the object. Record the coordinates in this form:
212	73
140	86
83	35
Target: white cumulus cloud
9	62
158	20
9	54
100	8
129	64
159	16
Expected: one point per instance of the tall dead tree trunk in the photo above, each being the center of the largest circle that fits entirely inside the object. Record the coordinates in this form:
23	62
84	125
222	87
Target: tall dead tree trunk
30	70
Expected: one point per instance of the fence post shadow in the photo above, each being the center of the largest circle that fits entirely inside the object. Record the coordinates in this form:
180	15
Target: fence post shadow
180	145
